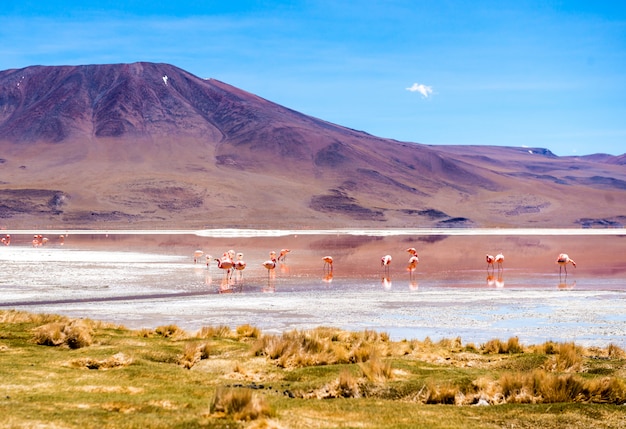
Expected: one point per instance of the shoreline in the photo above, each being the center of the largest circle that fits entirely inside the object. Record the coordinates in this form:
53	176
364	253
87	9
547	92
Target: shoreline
378	232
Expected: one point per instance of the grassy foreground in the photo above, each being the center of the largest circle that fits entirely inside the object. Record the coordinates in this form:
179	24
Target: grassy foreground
62	373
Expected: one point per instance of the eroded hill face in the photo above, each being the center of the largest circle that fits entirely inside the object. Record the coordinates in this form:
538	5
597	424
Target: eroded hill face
150	145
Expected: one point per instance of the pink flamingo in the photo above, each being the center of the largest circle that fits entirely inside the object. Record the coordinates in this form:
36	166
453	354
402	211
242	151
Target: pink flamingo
196	255
269	266
239	263
413	261
328	263
412	251
225	263
499	260
563	260
385	261
283	255
490	260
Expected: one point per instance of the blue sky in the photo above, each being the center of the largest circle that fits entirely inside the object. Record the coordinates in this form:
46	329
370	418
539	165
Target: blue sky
521	73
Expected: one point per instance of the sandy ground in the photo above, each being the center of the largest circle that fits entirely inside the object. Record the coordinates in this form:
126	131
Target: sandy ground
147	280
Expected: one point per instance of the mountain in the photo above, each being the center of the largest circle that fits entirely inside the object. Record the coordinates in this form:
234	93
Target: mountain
149	145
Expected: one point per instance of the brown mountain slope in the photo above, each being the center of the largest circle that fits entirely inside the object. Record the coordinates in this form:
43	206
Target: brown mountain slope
150	145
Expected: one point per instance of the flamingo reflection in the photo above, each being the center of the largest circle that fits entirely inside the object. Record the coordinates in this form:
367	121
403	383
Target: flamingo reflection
328	277
386	282
498	281
566	286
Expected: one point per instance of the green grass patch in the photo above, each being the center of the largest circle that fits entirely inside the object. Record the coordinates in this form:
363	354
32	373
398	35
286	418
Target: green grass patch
57	372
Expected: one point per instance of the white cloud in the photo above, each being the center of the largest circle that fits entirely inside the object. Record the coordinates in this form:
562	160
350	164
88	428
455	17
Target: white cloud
425	90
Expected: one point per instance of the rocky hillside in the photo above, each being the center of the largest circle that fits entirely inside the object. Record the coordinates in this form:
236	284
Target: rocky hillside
148	145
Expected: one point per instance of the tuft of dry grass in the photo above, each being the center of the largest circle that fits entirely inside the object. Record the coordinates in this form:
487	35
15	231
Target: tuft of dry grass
569	358
248	331
193	353
441	394
512	346
75	334
171	331
541	386
376	370
50	334
221	331
320	347
118	360
78	335
615	352
240	404
347	384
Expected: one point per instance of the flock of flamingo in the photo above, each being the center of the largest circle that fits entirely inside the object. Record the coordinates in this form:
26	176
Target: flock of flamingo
232	262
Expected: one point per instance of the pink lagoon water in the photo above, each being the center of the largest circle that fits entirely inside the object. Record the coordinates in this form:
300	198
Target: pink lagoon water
144	279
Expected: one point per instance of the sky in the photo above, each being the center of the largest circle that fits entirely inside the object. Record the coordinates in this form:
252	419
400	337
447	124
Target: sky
545	73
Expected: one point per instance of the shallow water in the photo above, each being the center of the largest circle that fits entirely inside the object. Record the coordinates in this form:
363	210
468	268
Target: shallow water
147	280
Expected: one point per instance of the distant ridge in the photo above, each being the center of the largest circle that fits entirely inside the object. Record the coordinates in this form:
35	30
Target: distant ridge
151	145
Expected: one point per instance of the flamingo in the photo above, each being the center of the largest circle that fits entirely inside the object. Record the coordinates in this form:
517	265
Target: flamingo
269	265
499	260
413	261
6	240
283	255
328	262
273	256
490	260
239	263
198	253
225	264
412	251
385	261
563	260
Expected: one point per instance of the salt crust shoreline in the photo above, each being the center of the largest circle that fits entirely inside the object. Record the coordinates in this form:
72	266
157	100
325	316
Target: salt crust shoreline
247	233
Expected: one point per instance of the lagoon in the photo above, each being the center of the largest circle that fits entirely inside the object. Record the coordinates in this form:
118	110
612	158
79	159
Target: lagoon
145	279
